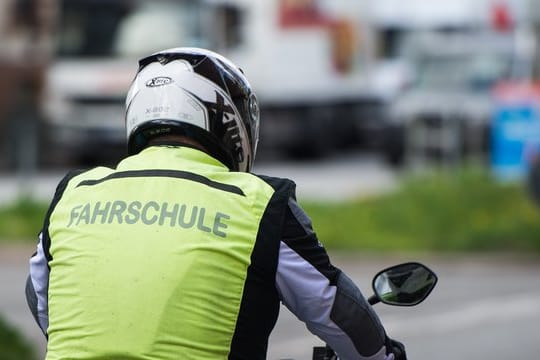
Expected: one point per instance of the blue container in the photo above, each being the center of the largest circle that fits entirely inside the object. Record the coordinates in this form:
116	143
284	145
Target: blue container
515	139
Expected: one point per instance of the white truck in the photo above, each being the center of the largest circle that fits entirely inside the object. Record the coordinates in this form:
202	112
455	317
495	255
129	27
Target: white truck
312	64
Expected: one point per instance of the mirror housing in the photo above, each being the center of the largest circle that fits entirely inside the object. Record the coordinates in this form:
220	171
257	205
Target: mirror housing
407	284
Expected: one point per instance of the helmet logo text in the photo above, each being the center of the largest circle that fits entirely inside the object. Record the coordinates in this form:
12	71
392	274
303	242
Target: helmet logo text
159	81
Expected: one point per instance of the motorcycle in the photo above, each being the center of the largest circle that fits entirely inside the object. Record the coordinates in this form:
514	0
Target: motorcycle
406	284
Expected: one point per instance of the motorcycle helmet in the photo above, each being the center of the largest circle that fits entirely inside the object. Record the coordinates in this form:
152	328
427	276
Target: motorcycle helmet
199	94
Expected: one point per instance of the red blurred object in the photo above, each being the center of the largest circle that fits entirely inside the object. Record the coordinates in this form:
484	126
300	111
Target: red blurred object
517	92
501	18
301	13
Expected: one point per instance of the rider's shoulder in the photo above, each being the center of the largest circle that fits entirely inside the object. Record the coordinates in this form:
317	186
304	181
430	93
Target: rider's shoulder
278	183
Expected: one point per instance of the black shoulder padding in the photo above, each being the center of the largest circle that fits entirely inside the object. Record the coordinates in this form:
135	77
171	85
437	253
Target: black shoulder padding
282	185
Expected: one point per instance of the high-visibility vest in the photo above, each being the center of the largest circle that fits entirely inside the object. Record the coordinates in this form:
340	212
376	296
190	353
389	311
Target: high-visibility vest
150	260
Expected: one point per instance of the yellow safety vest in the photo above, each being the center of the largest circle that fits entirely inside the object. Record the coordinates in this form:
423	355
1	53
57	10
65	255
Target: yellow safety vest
149	260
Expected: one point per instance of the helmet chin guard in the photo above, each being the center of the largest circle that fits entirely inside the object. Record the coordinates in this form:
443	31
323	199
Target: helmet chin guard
195	93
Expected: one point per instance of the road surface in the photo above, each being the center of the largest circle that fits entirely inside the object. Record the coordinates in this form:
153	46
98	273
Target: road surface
484	307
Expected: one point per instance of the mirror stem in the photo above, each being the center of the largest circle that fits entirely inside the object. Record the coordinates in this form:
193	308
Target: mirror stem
373	299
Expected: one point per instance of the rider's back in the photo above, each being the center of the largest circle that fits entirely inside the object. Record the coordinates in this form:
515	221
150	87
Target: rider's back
150	260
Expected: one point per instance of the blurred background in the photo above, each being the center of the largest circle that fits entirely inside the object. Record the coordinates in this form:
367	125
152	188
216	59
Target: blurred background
413	82
355	96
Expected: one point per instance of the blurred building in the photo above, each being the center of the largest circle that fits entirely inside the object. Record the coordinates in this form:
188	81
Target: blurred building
25	51
329	73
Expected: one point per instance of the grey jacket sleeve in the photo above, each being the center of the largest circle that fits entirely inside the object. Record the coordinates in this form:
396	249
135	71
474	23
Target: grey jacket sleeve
322	296
37	285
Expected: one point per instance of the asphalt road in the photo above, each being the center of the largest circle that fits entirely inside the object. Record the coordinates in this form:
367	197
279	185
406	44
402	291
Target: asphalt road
484	307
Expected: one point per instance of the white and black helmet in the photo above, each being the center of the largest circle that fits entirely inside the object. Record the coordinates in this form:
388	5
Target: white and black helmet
199	94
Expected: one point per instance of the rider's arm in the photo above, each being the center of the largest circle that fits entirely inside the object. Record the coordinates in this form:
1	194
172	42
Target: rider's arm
37	285
322	296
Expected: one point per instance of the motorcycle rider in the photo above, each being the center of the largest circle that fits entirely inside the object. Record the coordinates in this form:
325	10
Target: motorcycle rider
180	252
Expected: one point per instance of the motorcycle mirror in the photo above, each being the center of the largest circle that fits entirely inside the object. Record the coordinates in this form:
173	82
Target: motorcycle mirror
406	284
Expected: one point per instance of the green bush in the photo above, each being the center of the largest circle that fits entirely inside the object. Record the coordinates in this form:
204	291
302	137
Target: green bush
463	210
12	344
21	220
